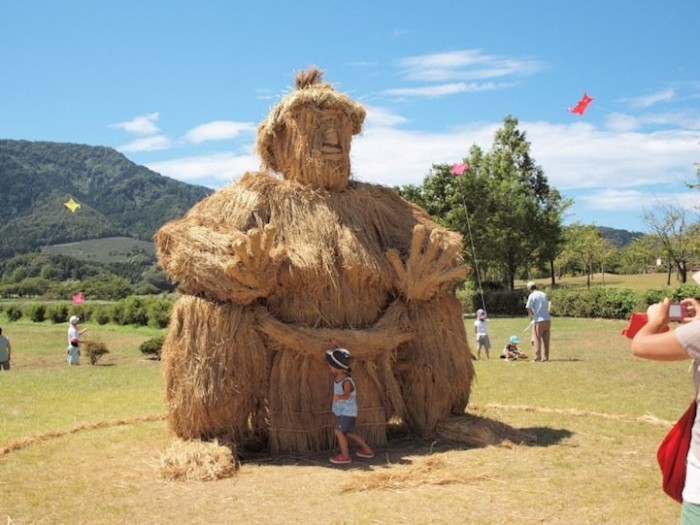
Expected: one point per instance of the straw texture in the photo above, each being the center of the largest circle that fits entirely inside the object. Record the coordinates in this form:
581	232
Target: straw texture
272	271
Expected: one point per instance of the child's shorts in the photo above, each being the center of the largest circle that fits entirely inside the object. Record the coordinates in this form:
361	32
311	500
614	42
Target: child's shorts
345	424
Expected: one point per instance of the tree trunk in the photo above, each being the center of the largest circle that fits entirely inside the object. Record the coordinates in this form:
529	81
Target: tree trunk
551	272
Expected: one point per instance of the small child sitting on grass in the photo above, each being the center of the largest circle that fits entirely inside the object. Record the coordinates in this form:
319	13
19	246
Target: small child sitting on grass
511	352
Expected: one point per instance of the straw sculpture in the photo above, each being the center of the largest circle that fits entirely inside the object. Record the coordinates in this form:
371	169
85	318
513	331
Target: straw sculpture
276	266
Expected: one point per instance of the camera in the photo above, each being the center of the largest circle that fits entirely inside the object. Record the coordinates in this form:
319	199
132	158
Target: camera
677	311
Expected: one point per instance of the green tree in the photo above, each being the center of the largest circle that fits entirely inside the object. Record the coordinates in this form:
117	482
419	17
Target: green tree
584	249
677	235
639	255
503	205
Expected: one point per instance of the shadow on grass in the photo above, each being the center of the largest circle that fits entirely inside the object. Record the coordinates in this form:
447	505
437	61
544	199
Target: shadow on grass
454	433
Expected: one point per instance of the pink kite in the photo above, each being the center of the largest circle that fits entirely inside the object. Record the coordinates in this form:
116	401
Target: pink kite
582	104
78	298
458	169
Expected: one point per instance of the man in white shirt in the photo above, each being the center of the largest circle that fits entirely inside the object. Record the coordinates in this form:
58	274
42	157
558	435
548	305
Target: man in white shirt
538	311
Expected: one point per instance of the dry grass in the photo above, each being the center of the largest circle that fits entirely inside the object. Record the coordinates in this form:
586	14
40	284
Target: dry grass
197	461
568	442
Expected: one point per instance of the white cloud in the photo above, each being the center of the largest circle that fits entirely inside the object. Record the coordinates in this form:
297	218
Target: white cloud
141	125
440	90
611	199
154	143
663	95
582	156
681	119
467	64
218	130
210	170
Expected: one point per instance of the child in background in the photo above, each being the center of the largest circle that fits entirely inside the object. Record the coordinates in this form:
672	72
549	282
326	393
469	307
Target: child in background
73	351
482	334
511	352
345	407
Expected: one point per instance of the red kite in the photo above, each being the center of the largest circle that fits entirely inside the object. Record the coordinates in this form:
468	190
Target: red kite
458	169
78	298
582	105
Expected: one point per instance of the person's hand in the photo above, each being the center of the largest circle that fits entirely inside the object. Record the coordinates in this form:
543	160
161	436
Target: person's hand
693	309
657	314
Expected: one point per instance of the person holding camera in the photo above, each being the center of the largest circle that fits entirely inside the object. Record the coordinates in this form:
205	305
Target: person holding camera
654	341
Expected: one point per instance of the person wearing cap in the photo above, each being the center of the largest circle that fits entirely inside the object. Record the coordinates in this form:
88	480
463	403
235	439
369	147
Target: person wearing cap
5	352
482	334
74	341
538	311
511	352
345	407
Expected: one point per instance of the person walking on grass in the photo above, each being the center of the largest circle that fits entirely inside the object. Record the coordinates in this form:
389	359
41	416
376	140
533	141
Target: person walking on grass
5	352
482	333
74	341
538	311
345	407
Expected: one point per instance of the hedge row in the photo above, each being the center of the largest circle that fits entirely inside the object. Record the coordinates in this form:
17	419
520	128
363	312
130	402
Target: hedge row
139	311
606	303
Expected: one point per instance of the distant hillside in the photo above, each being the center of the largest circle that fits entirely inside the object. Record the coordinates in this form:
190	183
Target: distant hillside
107	250
117	197
619	238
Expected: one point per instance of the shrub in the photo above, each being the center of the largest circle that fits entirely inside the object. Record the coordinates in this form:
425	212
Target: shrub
13	312
117	313
36	312
95	350
135	311
101	315
57	313
501	302
158	312
152	346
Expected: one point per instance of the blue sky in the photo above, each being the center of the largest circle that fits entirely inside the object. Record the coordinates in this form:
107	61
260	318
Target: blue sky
181	86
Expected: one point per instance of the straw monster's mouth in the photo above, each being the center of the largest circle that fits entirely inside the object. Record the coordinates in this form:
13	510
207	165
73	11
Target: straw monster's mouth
330	145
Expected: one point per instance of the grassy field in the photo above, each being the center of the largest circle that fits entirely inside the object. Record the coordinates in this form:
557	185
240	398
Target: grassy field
642	281
82	444
106	250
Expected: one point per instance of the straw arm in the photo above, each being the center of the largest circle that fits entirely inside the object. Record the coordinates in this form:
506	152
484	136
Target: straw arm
390	331
433	263
226	266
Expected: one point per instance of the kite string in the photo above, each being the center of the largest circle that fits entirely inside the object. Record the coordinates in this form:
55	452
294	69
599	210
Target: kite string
471	241
37	259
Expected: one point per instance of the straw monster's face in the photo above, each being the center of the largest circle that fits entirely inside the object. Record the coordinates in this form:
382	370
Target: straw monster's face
322	155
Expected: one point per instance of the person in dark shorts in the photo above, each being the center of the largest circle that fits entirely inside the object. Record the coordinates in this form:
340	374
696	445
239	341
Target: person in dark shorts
345	408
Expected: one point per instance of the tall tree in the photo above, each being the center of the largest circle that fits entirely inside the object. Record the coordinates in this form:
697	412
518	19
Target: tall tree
677	234
584	248
510	217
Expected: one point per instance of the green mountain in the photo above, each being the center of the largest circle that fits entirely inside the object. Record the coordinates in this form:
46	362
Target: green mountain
117	197
618	238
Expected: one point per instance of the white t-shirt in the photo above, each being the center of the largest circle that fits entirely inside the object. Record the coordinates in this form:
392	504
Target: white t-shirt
73	333
688	336
481	327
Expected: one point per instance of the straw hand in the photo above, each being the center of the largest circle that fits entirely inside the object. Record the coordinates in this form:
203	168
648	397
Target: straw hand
256	260
431	264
